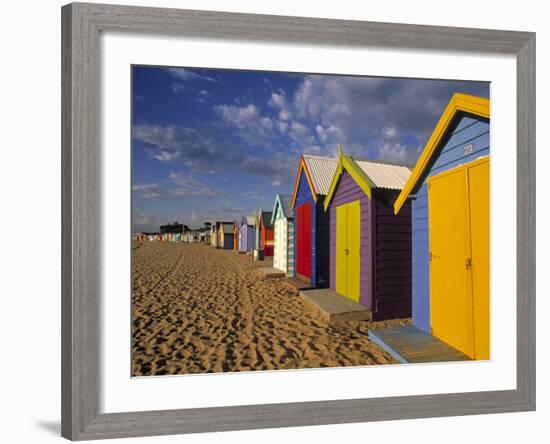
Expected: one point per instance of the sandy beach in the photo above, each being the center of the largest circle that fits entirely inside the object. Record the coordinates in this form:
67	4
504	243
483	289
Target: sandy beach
199	310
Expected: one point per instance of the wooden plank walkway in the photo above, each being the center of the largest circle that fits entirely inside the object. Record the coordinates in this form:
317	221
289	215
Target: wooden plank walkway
409	344
334	307
270	272
298	284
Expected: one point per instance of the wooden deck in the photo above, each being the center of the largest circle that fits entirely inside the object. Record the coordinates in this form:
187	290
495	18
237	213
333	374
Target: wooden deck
410	345
270	272
298	284
334	307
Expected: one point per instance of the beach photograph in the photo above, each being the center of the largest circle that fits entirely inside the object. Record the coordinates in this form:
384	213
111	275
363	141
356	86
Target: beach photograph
285	221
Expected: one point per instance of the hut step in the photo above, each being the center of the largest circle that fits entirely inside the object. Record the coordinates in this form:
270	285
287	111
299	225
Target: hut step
408	344
334	307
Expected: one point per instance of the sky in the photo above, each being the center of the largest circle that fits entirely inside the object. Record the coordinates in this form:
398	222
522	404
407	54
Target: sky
216	144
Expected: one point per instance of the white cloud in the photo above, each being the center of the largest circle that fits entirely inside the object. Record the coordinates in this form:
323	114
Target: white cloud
396	152
283	126
277	101
253	127
390	132
300	133
284	114
147	190
187	75
239	115
331	134
203	150
178	88
177	185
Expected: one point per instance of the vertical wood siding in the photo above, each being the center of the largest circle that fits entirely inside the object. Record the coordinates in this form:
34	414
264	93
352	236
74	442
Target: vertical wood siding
321	246
392	258
385	260
290	247
283	253
320	236
303	196
280	241
471	133
227	241
246	237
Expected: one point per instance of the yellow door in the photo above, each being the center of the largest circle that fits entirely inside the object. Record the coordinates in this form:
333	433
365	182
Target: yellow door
458	203
353	246
348	235
341	246
450	296
478	183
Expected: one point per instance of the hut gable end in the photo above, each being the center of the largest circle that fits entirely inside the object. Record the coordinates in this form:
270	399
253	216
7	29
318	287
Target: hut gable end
467	140
316	173
460	106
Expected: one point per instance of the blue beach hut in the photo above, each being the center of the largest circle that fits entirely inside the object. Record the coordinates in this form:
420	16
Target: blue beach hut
311	223
449	188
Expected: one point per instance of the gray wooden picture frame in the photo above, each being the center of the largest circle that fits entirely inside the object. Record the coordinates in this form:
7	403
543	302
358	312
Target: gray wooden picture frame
81	174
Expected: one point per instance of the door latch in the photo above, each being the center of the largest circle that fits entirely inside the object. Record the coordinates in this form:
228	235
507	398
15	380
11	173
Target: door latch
469	263
433	256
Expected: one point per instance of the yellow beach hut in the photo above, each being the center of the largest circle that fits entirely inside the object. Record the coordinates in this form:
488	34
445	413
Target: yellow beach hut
450	241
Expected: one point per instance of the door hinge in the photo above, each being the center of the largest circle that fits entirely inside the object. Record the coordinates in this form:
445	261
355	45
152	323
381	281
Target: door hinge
469	263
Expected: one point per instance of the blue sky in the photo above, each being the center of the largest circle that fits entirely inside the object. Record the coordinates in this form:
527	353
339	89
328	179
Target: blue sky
216	144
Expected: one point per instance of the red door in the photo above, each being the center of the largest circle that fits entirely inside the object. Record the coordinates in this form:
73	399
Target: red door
303	240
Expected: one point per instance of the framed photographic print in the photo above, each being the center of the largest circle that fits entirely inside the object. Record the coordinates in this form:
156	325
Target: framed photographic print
279	221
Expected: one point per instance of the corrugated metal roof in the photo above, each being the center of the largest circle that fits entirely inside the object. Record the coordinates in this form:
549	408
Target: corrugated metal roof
385	175
266	217
227	228
286	200
321	170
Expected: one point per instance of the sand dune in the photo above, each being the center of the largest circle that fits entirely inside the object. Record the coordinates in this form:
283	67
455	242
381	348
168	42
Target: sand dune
197	309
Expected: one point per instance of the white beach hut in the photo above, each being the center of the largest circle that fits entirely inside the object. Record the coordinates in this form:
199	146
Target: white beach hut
283	221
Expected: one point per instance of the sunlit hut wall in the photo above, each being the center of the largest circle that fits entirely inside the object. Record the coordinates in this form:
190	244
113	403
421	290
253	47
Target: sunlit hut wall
219	236
257	232
311	223
214	235
450	217
226	233
246	234
370	247
266	233
235	236
283	225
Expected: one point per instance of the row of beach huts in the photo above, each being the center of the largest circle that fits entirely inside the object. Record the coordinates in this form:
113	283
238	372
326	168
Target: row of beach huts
195	236
399	241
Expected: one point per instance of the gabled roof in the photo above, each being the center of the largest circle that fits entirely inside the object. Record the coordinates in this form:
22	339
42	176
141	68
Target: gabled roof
319	172
368	175
227	227
248	220
265	218
284	201
219	222
385	175
459	104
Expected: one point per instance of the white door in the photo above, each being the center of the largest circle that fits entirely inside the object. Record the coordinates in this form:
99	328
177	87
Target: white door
279	253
